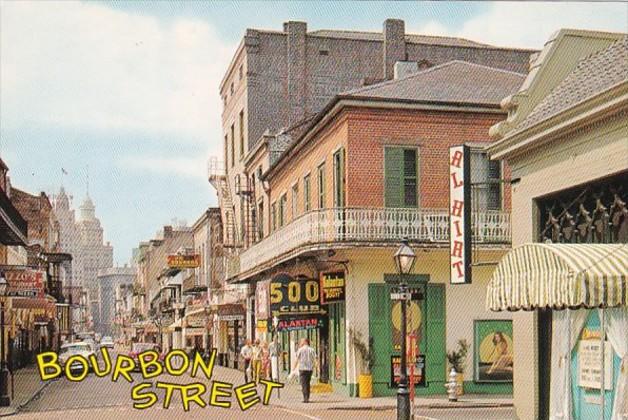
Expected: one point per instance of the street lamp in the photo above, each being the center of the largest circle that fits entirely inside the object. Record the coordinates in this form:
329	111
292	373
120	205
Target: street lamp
404	260
5	400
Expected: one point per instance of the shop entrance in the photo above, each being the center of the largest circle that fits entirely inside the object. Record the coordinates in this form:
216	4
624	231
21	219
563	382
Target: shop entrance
426	320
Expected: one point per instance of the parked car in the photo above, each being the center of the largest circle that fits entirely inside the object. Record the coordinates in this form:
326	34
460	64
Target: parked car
107	342
70	349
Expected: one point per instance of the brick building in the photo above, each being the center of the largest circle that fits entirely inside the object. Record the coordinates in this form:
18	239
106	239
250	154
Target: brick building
368	170
278	80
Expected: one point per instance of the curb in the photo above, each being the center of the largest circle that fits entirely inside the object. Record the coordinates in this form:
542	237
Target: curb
15	410
427	406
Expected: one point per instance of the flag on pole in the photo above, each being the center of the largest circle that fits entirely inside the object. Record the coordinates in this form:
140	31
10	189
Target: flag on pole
64	172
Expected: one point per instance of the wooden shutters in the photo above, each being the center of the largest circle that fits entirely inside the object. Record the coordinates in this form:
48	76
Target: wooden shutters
400	177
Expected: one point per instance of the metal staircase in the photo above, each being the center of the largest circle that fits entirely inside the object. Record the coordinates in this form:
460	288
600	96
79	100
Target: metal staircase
218	179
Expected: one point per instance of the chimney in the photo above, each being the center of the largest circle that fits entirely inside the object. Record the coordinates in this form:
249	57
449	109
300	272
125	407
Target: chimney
167	232
394	45
296	34
405	68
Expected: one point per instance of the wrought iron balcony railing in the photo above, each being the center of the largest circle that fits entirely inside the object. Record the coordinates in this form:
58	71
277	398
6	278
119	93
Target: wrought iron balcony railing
367	225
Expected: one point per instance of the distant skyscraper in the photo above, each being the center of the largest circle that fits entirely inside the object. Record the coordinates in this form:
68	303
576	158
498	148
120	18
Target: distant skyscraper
83	238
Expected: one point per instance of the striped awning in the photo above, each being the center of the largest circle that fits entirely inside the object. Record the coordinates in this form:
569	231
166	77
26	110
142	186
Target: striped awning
560	276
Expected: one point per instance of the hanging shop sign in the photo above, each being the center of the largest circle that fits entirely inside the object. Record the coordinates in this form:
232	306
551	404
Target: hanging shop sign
417	371
300	323
25	283
184	261
460	214
262	299
332	286
290	296
590	364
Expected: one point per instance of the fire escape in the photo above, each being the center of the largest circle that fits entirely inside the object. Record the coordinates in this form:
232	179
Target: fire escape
218	179
246	191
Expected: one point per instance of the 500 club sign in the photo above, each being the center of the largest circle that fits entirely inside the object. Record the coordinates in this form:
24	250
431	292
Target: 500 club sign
290	296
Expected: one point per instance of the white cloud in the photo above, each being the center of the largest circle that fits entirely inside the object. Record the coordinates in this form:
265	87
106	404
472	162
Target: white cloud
173	166
530	24
83	65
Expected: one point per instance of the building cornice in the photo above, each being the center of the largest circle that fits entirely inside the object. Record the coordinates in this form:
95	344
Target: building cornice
586	112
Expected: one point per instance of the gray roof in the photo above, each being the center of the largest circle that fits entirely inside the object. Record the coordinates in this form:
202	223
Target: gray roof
592	75
412	38
457	82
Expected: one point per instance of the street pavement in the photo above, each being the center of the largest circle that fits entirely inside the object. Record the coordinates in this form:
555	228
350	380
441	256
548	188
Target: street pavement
100	398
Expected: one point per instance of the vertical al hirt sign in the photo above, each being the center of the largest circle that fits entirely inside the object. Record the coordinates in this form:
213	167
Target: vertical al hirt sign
459	215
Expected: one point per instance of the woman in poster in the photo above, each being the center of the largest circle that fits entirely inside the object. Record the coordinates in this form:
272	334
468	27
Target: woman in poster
501	355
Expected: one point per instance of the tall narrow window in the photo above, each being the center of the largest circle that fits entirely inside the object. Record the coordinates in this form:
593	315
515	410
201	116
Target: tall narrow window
273	216
339	178
400	177
294	201
260	220
283	202
485	174
226	151
321	186
232	145
241	134
307	206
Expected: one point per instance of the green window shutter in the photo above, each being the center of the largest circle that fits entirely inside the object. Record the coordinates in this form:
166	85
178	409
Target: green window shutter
436	345
380	330
393	177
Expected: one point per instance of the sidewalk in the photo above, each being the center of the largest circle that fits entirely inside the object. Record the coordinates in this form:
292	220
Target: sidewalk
290	397
27	385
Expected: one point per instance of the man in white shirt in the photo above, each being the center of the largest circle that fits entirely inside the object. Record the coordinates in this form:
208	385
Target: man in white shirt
246	353
306	361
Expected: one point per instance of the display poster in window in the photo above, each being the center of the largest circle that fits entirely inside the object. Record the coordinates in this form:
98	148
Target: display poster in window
493	350
414	322
590	364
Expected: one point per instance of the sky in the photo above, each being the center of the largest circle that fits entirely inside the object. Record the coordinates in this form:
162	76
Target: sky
127	92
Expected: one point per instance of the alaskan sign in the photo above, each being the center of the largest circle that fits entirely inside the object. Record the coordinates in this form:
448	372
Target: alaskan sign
290	296
460	214
27	283
184	261
300	323
332	287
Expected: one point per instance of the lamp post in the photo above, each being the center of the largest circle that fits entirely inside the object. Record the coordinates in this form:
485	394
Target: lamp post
404	261
59	318
5	400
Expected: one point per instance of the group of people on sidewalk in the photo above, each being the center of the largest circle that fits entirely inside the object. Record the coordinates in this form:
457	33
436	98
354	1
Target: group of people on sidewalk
257	363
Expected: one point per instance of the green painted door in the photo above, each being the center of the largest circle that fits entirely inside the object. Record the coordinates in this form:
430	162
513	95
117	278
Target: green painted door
435	336
432	328
380	331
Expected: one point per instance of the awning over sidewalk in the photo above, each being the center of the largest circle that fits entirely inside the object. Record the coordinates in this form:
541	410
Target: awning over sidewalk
560	275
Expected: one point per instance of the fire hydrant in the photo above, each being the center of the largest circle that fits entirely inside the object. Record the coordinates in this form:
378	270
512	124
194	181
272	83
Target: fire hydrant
452	386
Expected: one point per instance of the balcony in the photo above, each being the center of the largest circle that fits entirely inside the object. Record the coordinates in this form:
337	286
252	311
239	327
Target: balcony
377	226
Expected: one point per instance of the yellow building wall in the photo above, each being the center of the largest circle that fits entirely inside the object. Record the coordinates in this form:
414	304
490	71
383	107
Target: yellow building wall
464	303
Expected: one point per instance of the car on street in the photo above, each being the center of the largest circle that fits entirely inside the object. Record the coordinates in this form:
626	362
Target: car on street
71	349
107	342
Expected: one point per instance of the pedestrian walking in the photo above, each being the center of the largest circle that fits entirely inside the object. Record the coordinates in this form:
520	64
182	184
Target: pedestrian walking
247	353
305	361
256	360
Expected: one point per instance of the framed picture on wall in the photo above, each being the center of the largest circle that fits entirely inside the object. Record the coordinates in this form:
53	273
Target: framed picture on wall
492	350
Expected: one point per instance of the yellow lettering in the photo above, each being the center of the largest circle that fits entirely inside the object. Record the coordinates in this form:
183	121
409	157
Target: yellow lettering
169	388
184	366
268	389
119	369
198	389
247	395
96	366
207	368
68	368
147	359
45	365
149	396
218	391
